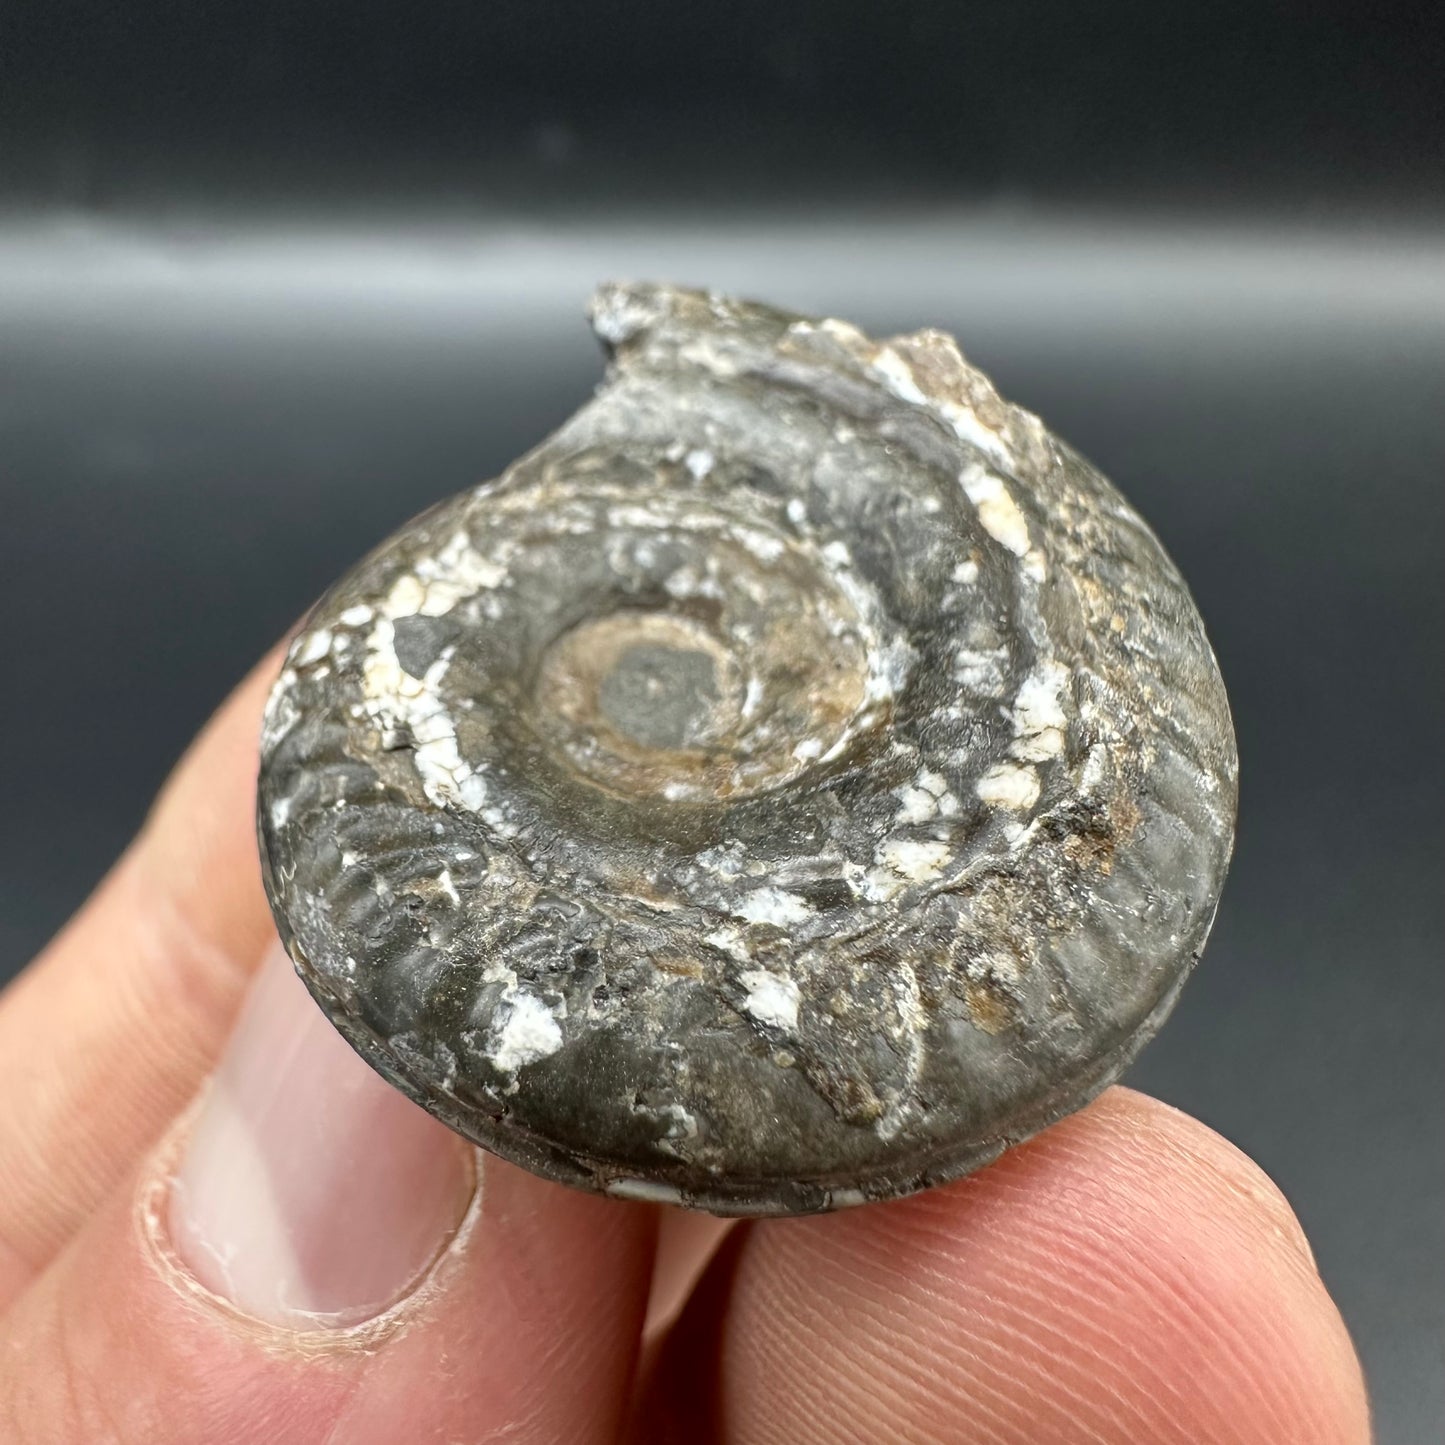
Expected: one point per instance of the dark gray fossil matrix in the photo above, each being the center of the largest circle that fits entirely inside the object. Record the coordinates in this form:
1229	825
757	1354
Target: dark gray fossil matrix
797	780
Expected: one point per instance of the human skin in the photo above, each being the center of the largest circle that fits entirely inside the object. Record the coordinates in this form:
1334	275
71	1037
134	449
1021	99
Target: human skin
235	1232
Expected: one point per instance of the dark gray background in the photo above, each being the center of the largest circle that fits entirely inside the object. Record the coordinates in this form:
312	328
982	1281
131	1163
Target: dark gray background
272	279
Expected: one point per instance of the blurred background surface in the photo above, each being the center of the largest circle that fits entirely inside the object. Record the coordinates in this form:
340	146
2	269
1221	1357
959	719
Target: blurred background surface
273	278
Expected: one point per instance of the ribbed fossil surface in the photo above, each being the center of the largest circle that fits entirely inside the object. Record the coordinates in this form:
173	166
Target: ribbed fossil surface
796	780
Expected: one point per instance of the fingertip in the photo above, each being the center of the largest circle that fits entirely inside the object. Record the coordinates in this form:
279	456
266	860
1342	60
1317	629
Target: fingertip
1214	1285
1126	1276
1146	1129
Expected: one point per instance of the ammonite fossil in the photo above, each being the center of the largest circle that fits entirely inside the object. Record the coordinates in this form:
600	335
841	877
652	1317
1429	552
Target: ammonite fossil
798	779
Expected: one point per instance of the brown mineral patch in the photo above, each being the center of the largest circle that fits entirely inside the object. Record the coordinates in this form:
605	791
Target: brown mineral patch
940	371
854	1101
678	967
1125	816
936	362
990	1010
1092	849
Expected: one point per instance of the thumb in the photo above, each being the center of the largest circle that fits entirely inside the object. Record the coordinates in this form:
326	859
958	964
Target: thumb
310	1257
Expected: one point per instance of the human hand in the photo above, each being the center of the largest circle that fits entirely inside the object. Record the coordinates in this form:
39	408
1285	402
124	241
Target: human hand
305	1256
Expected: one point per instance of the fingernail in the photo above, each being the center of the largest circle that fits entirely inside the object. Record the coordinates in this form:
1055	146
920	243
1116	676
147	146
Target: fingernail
310	1192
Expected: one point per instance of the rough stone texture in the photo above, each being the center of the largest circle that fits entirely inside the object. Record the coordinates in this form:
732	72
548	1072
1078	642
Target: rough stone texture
798	779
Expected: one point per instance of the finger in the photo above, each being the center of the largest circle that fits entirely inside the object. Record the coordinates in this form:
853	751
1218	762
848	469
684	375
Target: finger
316	1267
1128	1276
108	1033
686	1243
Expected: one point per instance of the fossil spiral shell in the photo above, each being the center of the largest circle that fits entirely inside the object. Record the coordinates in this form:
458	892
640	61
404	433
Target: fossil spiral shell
796	780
